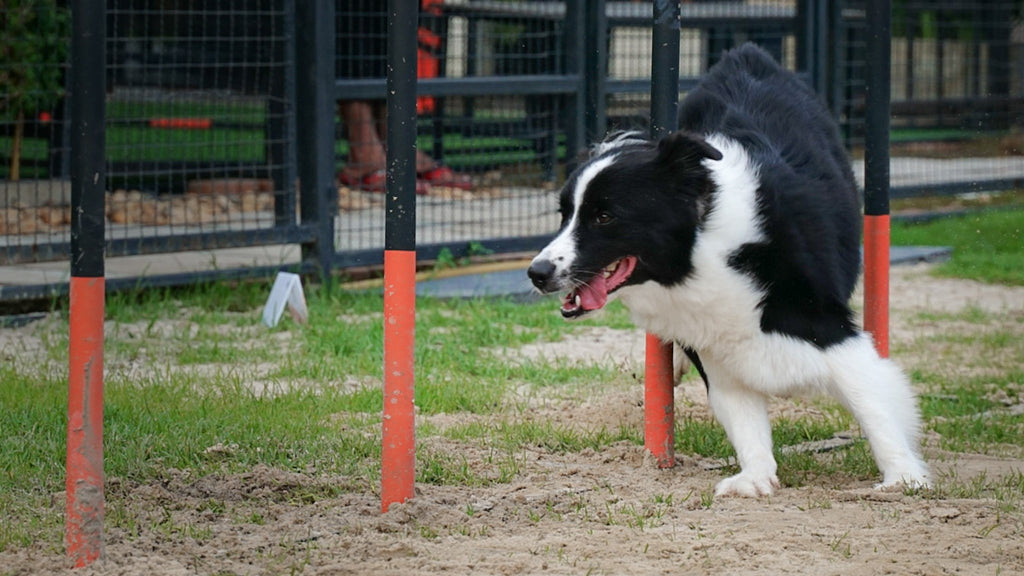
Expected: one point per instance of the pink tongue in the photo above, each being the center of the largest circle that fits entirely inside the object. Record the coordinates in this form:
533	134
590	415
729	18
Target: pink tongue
594	295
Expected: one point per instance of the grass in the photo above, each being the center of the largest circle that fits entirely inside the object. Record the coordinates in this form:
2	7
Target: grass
196	384
987	246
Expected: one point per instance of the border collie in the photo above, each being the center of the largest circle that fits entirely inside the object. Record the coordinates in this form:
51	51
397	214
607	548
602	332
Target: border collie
737	238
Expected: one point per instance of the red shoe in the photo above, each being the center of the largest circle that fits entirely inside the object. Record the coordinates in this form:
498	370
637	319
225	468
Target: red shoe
445	176
376	182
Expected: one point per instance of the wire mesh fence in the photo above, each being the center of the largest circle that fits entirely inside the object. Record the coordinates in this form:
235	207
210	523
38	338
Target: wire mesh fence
198	127
33	48
510	149
957	93
706	30
202	134
486	160
198	137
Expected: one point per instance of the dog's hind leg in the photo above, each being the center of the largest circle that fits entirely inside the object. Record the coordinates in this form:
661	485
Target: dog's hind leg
682	360
744	415
879	395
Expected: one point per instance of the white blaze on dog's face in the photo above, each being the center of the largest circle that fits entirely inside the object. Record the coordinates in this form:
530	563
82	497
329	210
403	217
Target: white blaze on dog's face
560	257
614	221
562	250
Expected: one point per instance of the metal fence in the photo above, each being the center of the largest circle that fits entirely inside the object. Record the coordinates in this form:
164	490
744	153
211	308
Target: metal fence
957	93
227	122
200	129
200	132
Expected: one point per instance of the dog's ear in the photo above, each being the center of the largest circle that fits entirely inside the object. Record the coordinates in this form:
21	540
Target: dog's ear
684	148
679	157
617	139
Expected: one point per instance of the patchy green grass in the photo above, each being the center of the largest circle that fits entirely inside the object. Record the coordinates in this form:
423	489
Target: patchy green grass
970	365
987	246
196	383
180	394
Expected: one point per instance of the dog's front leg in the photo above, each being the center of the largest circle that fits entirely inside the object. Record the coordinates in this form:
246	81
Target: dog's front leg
744	415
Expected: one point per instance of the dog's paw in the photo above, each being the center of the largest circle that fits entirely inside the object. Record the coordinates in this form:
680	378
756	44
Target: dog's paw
913	479
748	485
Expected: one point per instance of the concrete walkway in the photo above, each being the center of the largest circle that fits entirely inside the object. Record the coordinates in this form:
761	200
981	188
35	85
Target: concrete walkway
514	282
44	278
39	280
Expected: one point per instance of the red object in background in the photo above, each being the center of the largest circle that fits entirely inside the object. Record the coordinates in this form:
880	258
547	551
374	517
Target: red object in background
181	123
45	117
428	55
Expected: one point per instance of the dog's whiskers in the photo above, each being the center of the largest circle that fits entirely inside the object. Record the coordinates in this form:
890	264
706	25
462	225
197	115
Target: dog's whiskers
576	284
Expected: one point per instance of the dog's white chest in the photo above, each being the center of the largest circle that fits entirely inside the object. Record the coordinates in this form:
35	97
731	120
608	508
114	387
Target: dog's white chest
716	307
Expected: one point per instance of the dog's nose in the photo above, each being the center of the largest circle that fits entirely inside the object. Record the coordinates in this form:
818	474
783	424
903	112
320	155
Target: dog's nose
540	273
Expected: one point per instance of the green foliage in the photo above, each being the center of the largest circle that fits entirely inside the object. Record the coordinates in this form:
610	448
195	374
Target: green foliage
446	260
33	46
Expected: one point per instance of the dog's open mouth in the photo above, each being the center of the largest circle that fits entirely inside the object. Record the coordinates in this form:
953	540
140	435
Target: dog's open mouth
593	294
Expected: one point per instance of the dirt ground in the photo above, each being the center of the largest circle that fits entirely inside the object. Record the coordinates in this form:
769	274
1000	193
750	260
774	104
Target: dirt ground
608	512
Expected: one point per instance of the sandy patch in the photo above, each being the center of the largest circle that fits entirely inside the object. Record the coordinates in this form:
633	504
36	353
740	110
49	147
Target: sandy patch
608	512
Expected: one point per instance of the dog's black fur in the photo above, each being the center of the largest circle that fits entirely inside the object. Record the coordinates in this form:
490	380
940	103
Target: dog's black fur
808	200
738	238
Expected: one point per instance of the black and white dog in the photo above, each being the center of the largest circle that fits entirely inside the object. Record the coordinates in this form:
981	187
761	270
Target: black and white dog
738	239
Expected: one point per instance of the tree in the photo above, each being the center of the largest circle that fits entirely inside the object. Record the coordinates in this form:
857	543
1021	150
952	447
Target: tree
33	47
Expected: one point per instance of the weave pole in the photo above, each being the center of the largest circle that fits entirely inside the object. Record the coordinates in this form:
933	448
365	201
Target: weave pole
83	519
659	401
398	464
876	174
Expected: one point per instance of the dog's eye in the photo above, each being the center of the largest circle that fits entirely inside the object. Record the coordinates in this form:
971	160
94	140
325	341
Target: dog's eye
604	218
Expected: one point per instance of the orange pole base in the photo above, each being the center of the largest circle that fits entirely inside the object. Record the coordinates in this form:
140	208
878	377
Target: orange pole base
83	526
876	280
398	456
659	402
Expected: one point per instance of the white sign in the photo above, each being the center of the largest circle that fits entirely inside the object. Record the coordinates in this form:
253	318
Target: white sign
287	291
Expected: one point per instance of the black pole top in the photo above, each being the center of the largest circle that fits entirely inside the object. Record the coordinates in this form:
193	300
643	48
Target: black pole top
400	204
665	68
877	108
87	102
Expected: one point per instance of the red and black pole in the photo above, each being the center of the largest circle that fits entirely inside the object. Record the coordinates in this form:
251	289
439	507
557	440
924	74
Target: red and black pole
659	401
83	532
876	174
398	463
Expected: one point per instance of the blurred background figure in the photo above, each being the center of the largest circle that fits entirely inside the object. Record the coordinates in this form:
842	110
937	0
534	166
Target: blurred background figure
362	53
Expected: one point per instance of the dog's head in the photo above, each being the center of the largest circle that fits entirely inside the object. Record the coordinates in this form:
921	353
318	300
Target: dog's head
629	215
